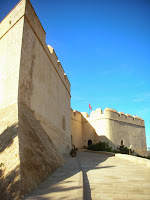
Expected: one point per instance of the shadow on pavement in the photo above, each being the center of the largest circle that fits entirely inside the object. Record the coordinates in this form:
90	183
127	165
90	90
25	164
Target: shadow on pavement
64	182
88	163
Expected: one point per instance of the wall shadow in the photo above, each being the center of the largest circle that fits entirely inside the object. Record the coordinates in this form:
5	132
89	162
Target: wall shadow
54	184
10	184
90	161
87	127
7	136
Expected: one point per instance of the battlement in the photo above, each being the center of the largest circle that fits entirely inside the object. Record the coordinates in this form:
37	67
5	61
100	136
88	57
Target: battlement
25	11
85	114
113	115
96	113
58	67
120	116
76	115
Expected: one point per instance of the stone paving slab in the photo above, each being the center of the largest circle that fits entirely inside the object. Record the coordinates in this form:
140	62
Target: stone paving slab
113	178
64	183
97	177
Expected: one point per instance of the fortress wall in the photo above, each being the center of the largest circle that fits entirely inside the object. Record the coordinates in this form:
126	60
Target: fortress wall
76	129
42	88
43	93
11	29
114	127
120	116
96	113
131	134
88	130
12	18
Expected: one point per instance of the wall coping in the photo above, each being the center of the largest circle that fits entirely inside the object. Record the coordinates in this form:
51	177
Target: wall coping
135	159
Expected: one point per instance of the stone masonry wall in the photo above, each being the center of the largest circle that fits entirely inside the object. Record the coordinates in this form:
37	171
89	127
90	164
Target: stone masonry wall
76	129
43	86
32	76
11	29
113	127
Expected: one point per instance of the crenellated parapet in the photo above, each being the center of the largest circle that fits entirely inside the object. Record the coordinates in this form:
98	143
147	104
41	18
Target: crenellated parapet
40	33
76	115
58	67
120	116
25	11
96	113
113	115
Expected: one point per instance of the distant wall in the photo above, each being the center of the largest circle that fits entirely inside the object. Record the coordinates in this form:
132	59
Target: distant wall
89	133
81	130
76	129
114	127
130	129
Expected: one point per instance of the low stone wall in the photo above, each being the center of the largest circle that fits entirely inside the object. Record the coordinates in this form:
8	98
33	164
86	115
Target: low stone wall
135	159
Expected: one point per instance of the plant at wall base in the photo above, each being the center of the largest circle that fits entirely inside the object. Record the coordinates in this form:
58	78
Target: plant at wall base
124	150
147	157
1	164
73	152
101	146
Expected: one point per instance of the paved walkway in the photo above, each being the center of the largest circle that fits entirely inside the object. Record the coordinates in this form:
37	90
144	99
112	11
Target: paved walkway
65	183
104	178
113	178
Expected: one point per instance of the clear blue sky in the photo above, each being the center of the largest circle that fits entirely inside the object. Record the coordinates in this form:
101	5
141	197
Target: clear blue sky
104	48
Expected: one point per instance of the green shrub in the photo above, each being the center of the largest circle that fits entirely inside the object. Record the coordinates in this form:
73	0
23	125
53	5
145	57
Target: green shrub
101	146
73	152
124	150
1	164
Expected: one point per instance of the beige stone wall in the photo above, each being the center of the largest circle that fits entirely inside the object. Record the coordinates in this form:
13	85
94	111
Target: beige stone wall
76	129
33	78
11	29
29	65
113	127
88	131
43	86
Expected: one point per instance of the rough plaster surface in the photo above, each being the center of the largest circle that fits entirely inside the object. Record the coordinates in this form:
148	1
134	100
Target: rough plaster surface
33	79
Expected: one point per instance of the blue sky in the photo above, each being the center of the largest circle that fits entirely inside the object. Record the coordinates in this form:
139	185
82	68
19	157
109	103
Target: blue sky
104	48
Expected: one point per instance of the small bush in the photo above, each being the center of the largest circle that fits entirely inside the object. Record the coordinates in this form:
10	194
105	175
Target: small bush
73	152
101	146
124	150
1	164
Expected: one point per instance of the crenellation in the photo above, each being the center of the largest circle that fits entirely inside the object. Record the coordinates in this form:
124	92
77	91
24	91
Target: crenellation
110	113
85	114
53	57
120	116
76	115
56	63
96	114
139	120
60	70
129	118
